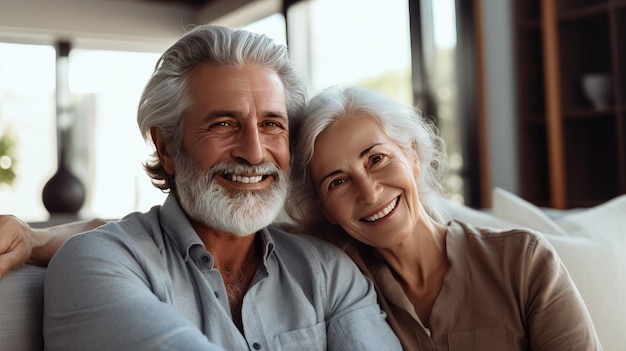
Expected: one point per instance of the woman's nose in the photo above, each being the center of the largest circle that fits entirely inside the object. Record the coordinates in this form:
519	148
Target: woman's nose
368	189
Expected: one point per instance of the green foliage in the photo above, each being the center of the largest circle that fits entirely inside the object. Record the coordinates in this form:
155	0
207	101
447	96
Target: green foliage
7	158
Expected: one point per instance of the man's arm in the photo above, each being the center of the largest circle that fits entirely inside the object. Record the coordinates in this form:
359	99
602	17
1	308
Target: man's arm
99	294
20	243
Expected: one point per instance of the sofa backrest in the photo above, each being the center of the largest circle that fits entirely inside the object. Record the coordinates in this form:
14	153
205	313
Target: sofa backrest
21	309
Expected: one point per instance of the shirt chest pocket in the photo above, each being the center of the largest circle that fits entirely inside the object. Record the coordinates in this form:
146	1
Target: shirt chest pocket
311	338
485	339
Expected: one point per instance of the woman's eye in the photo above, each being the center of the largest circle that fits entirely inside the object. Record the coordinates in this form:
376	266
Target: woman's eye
376	158
335	183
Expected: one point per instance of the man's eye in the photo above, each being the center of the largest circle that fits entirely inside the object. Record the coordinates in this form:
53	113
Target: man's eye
222	127
272	124
220	124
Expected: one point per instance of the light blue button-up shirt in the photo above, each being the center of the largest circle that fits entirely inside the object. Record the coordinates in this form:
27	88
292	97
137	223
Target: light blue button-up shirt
147	283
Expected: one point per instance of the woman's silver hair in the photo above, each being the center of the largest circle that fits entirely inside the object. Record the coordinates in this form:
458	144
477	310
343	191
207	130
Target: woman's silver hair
166	96
403	124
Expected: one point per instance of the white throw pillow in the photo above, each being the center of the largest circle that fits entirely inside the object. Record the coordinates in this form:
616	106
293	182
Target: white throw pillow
599	266
475	217
510	207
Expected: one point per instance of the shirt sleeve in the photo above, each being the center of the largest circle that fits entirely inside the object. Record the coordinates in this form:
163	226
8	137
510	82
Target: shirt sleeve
557	316
98	297
354	321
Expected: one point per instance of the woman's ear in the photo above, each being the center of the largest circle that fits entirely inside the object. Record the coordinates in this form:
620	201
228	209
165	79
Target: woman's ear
165	157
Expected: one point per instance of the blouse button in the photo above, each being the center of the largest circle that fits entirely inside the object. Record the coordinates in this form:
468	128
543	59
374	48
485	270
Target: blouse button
205	259
256	346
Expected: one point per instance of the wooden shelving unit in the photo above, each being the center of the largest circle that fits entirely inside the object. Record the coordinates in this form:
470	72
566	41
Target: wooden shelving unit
571	154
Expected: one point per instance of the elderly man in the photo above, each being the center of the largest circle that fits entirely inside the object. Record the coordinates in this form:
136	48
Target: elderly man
205	271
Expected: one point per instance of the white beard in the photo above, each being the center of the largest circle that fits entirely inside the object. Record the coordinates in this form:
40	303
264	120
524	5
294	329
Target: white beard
242	212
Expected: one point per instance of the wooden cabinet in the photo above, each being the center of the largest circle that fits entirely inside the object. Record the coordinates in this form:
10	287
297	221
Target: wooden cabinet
572	152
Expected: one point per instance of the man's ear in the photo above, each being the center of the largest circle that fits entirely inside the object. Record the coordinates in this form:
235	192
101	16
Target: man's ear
163	151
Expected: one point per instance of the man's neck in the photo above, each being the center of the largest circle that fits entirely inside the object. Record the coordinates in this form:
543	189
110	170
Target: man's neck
231	251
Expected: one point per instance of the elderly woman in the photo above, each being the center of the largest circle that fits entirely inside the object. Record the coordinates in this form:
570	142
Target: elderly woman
366	177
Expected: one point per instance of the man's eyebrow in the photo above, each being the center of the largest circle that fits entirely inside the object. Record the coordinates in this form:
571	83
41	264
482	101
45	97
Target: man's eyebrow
219	113
276	113
361	155
234	113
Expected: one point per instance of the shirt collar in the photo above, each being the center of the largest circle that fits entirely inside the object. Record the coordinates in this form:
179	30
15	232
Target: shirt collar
393	291
176	225
268	243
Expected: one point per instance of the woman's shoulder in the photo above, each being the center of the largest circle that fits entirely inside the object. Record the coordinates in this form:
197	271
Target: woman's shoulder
495	242
488	234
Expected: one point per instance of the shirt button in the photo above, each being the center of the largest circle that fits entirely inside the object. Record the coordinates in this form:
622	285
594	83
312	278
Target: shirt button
256	346
217	294
205	259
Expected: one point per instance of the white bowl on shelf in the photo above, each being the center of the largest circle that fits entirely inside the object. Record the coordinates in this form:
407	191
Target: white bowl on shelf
598	89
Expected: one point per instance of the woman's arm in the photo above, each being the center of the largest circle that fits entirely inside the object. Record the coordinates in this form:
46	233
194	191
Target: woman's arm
20	243
557	316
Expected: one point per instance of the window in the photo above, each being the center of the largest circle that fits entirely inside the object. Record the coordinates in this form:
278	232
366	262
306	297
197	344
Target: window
439	57
273	26
107	149
449	84
27	116
108	86
332	45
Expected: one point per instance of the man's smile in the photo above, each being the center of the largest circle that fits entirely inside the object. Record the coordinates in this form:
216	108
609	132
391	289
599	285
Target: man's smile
245	179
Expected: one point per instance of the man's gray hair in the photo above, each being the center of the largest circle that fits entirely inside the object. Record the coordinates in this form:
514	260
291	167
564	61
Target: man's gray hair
165	98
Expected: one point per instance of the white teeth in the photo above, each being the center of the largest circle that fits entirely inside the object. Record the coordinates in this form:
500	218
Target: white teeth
245	180
382	213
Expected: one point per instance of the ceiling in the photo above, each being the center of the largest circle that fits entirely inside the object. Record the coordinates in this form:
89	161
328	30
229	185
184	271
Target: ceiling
191	3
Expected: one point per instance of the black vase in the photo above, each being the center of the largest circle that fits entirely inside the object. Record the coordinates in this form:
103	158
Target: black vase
64	193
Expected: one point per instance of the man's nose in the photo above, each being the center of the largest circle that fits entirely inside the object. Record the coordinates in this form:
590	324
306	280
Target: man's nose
250	146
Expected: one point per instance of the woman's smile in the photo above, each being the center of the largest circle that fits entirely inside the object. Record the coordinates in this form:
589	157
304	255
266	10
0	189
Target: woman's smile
382	213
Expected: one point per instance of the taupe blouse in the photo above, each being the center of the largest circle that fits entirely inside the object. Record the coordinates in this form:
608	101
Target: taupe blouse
503	291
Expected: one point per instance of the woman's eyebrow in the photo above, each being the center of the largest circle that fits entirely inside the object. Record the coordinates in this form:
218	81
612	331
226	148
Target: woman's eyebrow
368	149
328	176
361	155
